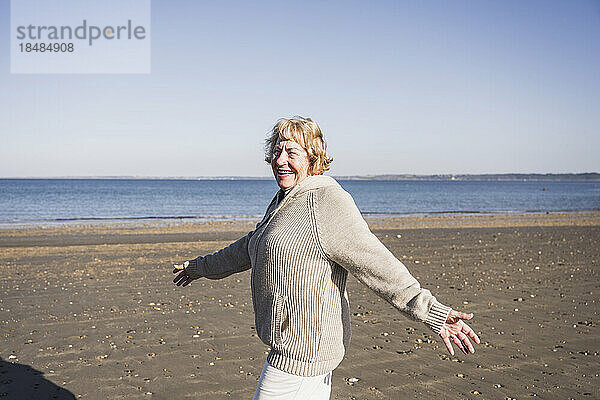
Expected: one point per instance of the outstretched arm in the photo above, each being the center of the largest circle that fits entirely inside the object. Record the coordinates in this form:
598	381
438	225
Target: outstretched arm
347	240
233	258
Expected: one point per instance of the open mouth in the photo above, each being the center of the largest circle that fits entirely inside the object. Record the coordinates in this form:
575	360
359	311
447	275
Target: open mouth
284	172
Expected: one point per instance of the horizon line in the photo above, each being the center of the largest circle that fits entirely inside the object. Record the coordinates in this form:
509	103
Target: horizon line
195	177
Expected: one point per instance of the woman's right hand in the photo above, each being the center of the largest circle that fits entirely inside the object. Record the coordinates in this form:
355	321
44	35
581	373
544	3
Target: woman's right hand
183	279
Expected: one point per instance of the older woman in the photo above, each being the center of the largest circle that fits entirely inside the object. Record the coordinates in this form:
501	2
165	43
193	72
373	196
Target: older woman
300	254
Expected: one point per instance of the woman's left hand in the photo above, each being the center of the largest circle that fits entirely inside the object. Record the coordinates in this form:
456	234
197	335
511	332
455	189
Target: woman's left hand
455	330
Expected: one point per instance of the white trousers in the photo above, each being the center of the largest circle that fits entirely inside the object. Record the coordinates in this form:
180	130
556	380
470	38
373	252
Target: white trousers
275	384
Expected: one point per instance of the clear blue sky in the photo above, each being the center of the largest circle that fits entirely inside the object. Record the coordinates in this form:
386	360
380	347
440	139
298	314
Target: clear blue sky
397	87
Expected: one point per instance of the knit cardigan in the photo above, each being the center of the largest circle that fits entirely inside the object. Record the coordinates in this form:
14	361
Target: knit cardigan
300	255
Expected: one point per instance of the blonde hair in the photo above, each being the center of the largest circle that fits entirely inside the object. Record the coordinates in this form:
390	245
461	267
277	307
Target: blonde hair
307	134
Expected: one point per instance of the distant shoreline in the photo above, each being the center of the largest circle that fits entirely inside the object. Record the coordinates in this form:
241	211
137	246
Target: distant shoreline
575	177
241	219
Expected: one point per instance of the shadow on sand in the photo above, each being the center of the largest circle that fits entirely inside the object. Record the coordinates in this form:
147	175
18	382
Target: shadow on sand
19	381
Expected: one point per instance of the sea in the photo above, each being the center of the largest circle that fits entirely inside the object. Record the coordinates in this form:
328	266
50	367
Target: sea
59	201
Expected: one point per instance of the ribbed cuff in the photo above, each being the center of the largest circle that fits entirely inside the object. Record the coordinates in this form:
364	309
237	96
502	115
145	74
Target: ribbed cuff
438	314
194	268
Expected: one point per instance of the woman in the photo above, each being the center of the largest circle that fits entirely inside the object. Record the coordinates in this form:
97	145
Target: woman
311	236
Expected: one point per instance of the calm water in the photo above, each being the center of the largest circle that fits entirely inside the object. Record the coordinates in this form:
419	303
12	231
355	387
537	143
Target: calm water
24	201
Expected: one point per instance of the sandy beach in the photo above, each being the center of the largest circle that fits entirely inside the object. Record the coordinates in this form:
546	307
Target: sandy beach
91	312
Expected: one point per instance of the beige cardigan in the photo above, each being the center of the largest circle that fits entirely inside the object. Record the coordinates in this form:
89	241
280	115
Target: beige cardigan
300	255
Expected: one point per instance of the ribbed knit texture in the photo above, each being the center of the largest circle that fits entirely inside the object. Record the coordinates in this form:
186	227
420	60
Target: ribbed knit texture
300	254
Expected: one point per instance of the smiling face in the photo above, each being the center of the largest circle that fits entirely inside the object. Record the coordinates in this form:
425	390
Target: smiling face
290	163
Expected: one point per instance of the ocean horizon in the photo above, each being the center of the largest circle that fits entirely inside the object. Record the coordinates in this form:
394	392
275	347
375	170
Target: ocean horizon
50	201
564	177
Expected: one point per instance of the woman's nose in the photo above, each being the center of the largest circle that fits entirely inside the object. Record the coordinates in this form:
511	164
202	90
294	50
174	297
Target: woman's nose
281	158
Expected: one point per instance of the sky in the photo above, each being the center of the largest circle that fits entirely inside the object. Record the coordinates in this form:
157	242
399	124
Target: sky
398	87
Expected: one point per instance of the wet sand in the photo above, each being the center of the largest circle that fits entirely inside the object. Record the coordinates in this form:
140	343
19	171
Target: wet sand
91	312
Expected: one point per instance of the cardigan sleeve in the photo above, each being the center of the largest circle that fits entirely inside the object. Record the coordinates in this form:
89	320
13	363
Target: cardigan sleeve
347	240
229	260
